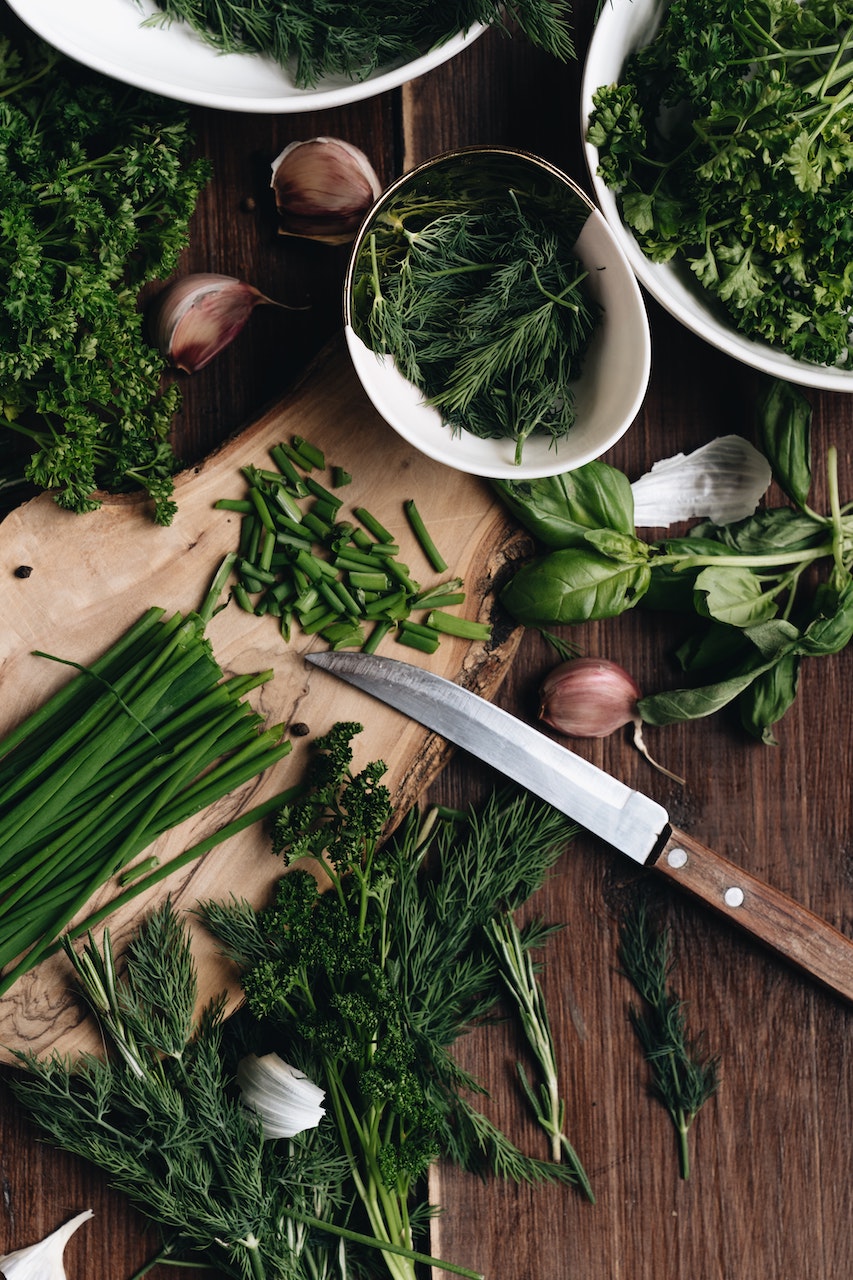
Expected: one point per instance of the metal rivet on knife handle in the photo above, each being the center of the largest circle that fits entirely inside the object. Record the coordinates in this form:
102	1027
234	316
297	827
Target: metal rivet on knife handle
786	926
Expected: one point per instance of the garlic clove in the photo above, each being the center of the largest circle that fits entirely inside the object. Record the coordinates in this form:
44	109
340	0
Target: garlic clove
592	698
323	188
44	1260
197	316
285	1101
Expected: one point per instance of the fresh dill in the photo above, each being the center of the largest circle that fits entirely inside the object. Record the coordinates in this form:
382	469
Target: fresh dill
519	972
317	38
371	961
477	294
684	1075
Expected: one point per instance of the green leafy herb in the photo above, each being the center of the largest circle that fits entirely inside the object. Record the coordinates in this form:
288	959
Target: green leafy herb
748	586
730	143
97	186
317	38
480	300
684	1076
364	986
519	973
127	750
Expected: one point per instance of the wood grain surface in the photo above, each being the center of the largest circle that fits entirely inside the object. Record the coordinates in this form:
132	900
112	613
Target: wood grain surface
768	1196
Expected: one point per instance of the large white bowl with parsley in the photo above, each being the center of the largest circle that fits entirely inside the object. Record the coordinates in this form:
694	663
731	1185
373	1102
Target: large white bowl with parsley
623	27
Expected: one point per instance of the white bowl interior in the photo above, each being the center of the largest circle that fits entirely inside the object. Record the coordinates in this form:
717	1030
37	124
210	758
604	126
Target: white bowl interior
622	27
608	394
108	36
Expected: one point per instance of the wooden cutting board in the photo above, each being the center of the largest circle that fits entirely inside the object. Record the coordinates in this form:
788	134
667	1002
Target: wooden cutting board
93	575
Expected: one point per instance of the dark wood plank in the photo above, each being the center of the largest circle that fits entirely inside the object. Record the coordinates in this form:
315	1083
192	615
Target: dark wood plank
768	1192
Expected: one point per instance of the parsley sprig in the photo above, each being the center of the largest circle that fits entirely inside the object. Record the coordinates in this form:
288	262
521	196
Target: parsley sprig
97	186
730	143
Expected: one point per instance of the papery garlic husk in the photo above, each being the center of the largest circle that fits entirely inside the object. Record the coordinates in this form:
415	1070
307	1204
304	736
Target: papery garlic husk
592	698
43	1261
323	188
720	481
285	1101
197	316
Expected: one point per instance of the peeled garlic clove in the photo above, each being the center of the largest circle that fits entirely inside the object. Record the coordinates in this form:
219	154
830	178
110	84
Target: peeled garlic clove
323	188
285	1101
42	1261
196	317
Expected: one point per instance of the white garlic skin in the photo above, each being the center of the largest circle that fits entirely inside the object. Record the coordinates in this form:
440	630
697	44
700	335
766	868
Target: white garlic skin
588	698
323	188
197	316
44	1260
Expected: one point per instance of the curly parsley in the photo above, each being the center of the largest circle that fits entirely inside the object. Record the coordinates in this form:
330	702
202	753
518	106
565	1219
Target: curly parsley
730	143
96	192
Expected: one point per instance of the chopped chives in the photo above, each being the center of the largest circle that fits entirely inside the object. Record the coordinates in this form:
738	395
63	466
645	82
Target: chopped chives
451	625
420	531
372	524
314	456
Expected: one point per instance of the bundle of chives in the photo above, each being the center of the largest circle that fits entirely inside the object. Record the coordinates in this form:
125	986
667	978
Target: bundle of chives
128	749
299	561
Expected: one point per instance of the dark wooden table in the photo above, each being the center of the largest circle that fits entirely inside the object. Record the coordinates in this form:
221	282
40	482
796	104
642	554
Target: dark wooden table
768	1198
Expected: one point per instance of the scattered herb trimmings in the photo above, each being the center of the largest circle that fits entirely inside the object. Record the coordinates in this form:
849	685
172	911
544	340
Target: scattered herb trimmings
478	296
684	1076
747	181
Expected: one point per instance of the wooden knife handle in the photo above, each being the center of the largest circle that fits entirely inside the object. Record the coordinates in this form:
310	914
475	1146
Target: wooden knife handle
785	926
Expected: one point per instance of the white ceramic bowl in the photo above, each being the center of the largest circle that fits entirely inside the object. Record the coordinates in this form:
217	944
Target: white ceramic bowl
623	26
108	36
615	374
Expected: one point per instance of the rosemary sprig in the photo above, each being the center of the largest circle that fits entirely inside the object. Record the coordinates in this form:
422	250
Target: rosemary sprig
518	972
684	1075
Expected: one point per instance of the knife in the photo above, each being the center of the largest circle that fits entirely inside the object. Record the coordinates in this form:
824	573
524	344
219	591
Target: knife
626	819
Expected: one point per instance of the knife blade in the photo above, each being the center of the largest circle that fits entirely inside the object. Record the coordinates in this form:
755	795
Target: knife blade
626	819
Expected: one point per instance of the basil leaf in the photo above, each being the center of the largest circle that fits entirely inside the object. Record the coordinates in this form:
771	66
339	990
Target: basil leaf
619	546
832	629
716	646
784	425
574	585
694	704
560	510
771	530
767	699
671	587
733	596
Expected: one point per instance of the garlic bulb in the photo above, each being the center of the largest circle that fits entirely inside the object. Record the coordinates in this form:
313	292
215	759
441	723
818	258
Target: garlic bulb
722	481
285	1101
323	188
197	316
42	1261
592	698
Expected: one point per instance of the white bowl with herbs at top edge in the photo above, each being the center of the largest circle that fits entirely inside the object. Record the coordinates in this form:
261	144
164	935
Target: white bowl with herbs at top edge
614	373
623	27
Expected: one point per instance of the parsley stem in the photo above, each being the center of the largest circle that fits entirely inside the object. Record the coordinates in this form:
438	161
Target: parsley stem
386	1246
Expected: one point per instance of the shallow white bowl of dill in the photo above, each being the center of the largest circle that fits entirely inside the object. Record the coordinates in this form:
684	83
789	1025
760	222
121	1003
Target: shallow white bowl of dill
600	384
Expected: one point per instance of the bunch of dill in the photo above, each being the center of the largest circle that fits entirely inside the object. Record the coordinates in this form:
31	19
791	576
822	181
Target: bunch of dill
373	958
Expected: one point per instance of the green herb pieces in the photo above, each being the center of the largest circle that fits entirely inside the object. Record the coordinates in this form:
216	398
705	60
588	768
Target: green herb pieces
482	305
302	561
513	949
748	587
97	186
125	751
729	144
317	38
684	1076
364	987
